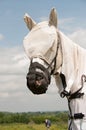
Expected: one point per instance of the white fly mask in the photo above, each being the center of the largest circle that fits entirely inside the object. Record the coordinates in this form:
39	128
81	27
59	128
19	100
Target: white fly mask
41	47
41	42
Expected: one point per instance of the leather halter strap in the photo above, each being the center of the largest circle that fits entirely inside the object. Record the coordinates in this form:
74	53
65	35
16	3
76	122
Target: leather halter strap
54	59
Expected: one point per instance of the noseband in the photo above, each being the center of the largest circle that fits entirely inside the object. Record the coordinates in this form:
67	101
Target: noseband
39	77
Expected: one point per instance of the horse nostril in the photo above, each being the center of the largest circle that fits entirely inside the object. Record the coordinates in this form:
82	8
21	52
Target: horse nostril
38	83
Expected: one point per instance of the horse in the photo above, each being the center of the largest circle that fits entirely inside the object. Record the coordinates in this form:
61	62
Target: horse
47	124
52	53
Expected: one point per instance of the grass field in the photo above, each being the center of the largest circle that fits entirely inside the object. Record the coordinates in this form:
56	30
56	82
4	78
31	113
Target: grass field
15	126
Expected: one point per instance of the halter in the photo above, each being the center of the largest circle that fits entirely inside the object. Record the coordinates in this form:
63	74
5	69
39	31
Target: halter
54	59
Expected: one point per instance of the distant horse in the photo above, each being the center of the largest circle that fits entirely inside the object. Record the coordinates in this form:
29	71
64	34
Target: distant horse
47	124
52	53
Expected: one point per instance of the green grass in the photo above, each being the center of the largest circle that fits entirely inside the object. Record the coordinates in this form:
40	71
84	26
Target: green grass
14	126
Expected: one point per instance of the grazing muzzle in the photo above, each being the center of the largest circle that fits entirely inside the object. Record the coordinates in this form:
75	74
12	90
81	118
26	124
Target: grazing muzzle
38	78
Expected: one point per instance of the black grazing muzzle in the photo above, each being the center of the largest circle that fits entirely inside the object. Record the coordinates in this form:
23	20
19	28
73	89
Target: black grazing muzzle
38	78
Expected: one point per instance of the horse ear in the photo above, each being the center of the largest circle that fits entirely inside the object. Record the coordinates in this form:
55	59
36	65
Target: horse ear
53	18
29	21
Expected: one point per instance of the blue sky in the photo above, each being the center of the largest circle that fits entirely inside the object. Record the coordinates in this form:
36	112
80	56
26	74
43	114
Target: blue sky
11	15
14	95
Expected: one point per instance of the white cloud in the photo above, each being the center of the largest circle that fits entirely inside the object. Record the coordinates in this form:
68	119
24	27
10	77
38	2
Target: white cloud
43	19
13	69
1	37
66	20
65	24
79	36
74	32
3	94
12	60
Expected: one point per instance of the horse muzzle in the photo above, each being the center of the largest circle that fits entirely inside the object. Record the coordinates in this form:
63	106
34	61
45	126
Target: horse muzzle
38	78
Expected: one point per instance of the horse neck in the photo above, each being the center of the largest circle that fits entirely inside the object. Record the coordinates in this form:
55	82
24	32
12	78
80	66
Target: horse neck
64	49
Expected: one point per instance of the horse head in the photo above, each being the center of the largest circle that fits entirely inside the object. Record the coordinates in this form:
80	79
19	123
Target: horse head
42	46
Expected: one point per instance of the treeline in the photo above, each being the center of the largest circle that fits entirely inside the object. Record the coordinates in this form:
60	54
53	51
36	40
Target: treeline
33	117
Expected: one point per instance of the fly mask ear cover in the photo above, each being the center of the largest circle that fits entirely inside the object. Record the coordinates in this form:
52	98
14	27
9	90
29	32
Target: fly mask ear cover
38	78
